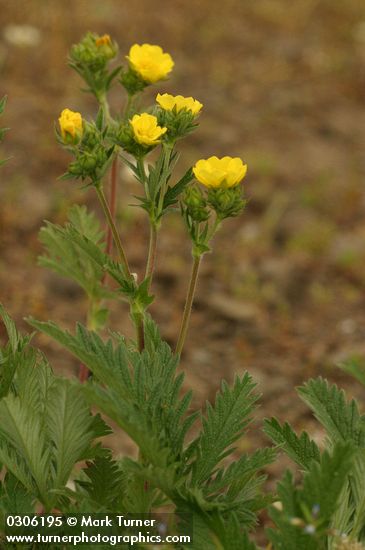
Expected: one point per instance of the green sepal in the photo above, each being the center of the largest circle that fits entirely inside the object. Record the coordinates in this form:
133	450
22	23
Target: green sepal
131	81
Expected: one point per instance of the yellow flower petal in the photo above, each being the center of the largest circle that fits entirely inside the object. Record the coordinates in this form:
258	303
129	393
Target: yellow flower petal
104	40
150	62
220	172
169	102
146	129
70	124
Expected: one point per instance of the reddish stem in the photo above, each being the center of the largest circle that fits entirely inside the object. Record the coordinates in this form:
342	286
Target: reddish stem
83	373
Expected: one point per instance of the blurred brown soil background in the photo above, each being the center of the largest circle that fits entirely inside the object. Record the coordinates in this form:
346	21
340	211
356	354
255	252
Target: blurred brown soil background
282	85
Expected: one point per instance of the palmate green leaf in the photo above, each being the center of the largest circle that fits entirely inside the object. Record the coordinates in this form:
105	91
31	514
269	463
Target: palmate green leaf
108	364
215	530
341	521
324	482
340	418
15	355
223	425
103	485
157	388
357	488
70	428
231	535
111	366
139	391
86	223
20	427
131	419
148	486
65	256
33	382
16	341
14	499
13	365
287	535
343	423
300	449
241	470
314	505
162	475
238	488
17	465
44	435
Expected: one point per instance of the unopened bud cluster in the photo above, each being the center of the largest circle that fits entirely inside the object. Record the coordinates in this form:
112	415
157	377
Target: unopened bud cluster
90	58
87	143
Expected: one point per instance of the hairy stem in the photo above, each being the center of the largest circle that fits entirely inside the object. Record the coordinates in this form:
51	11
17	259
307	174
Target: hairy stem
167	151
140	332
188	304
116	237
103	102
112	203
138	322
128	107
151	252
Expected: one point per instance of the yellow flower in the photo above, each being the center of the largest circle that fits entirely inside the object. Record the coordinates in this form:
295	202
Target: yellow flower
150	62
224	172
168	102
70	124
146	129
104	40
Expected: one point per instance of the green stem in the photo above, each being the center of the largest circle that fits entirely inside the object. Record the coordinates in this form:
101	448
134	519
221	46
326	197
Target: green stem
167	151
142	170
151	252
103	102
188	304
214	228
128	107
118	242
110	214
140	332
112	203
138	322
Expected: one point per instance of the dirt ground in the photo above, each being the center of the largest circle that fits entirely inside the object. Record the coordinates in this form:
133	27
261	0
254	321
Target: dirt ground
282	85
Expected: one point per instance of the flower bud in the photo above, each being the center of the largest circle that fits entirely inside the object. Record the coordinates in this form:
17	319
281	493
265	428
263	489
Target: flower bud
106	47
227	202
71	126
93	52
195	204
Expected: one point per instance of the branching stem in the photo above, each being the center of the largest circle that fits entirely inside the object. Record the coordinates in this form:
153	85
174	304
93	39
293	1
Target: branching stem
188	304
116	237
